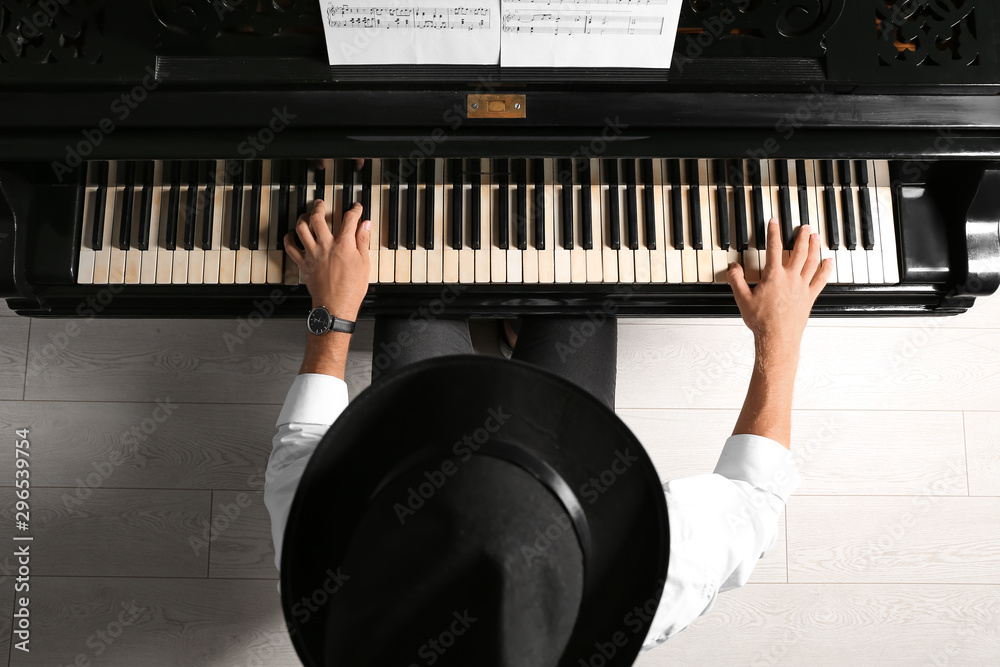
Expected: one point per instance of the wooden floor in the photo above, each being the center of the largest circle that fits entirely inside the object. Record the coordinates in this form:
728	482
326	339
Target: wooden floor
889	553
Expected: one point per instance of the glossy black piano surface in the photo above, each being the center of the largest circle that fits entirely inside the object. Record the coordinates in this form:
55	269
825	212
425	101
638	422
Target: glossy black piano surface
912	83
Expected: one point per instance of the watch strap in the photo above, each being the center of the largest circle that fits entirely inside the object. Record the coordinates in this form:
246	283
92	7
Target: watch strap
342	326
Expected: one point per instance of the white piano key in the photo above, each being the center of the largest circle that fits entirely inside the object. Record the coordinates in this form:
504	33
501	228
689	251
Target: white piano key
374	214
609	256
467	255
720	261
485	252
706	265
196	256
116	273
546	256
418	256
873	257
751	256
402	270
845	262
689	255
879	174
664	228
641	254
258	258
386	255
563	261
595	256
449	222
213	256
626	259
85	263
814	183
859	266
435	255
578	255
149	262
529	256
333	193
179	272
513	255
732	255
769	211
102	257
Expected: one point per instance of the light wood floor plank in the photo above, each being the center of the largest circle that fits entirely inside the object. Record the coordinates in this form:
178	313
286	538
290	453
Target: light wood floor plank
982	438
840	625
841	368
115	532
153	446
13	348
176	623
242	546
189	360
886	539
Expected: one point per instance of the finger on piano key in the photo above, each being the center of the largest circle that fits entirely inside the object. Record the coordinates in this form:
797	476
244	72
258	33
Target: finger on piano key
469	221
612	194
513	255
388	193
164	265
255	174
595	253
817	213
563	200
578	254
150	259
303	176
879	169
418	256
453	218
345	175
128	208
146	208
681	192
752	254
430	170
643	271
89	237
116	268
371	202
320	179
499	220
605	174
664	231
706	262
481	238
720	262
259	241
277	205
538	213
434	221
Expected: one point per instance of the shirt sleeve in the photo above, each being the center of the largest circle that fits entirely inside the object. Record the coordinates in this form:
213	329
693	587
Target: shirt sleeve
313	403
720	526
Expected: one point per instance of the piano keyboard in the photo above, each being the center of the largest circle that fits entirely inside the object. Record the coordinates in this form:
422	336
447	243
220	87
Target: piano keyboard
471	220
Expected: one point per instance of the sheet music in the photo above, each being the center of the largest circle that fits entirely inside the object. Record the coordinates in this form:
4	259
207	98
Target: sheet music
588	33
377	32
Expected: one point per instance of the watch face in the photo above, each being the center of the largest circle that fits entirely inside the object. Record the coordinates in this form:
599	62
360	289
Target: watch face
319	320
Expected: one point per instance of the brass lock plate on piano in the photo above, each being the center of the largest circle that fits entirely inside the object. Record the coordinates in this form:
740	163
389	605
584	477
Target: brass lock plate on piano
495	106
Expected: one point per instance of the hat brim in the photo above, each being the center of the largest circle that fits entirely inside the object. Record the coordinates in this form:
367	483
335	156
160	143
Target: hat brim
457	401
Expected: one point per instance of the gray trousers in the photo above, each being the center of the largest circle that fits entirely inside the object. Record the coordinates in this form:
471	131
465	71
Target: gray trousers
582	350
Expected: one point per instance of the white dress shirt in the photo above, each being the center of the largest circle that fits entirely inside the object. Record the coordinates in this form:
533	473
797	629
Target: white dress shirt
721	524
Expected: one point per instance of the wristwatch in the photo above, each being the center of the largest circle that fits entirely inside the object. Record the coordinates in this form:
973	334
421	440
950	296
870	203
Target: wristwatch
320	321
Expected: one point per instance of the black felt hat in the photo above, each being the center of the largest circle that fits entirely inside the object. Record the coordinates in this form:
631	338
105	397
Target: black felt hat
470	510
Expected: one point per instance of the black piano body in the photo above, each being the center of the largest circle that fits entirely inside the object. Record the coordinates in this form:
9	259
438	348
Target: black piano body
913	83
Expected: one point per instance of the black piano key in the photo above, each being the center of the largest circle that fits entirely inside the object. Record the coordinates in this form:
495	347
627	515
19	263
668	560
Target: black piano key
614	223
565	178
735	178
236	210
392	216
255	173
784	204
100	204
279	173
844	169
190	177
430	177
366	189
146	206
346	170
829	204
475	202
676	205
694	207
457	184
721	202
520	169
410	167
319	183
172	174
586	215
648	201
502	226
301	189
847	204
803	190
208	210
757	197
538	171
865	199
125	223
631	204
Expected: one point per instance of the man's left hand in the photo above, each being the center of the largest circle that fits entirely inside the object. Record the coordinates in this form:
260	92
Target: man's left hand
334	267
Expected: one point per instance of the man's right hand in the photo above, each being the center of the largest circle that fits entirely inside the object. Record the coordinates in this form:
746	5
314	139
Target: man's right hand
778	307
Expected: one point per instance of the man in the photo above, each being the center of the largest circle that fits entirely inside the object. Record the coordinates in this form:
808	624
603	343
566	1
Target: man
715	527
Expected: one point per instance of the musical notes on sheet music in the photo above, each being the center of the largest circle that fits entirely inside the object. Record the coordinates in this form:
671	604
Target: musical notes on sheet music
585	23
414	18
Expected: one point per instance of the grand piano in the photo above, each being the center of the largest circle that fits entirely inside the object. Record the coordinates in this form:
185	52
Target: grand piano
154	153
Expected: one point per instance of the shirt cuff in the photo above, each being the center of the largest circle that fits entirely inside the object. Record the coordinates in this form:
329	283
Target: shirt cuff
313	398
761	462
